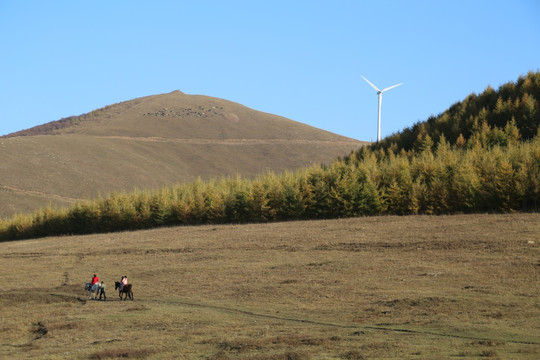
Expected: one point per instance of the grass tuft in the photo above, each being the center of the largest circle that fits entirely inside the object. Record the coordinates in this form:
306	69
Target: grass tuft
489	354
123	353
40	330
353	355
286	356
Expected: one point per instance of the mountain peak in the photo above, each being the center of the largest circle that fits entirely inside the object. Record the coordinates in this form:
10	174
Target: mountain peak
178	115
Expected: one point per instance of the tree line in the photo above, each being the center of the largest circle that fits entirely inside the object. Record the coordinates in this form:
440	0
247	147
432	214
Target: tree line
452	178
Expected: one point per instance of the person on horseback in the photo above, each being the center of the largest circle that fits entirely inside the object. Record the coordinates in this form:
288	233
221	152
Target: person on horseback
92	287
123	282
124	289
95	280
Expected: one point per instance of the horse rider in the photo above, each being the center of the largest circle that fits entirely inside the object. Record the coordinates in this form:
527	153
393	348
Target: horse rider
95	280
102	291
123	282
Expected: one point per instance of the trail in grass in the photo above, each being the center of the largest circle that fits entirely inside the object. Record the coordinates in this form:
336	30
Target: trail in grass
230	141
330	324
20	191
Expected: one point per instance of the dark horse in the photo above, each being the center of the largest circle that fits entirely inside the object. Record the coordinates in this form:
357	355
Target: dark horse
125	290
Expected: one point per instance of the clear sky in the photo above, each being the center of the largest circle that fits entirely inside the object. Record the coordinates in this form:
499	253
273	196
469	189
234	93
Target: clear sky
299	59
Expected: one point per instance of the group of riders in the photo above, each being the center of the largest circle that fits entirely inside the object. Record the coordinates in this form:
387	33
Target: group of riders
101	286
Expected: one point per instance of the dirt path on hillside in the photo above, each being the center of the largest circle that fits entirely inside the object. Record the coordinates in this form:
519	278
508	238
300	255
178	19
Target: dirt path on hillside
20	191
233	141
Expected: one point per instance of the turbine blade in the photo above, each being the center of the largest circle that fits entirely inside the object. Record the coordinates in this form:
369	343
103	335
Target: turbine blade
373	86
391	87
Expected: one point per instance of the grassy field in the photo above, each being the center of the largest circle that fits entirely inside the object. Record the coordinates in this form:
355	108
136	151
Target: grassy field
464	286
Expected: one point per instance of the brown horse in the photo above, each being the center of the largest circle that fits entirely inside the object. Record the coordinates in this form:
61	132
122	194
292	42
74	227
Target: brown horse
125	290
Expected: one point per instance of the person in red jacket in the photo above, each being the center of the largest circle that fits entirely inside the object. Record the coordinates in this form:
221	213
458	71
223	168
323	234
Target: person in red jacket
95	280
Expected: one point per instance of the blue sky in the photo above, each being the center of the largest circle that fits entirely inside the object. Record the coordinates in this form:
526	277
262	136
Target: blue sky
299	59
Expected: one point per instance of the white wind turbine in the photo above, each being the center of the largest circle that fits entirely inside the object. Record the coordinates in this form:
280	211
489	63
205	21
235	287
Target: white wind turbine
379	93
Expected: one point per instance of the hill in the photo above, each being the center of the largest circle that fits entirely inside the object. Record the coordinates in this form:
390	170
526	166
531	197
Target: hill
149	142
514	105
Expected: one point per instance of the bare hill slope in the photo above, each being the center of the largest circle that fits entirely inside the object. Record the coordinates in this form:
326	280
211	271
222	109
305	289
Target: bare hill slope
149	142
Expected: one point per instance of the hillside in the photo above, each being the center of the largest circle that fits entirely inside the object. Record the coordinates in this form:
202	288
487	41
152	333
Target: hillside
391	287
515	104
149	142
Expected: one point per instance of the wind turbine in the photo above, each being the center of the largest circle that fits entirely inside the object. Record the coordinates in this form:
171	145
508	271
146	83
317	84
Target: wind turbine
379	93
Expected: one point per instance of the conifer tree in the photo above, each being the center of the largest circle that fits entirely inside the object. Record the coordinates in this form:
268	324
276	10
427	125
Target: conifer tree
257	202
511	132
460	142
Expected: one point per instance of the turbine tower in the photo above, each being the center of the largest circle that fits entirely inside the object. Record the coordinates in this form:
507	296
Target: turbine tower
379	93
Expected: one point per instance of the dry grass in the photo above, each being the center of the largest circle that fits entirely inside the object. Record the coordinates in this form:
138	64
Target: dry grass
378	287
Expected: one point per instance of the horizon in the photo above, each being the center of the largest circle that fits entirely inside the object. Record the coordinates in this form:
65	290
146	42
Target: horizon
303	61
